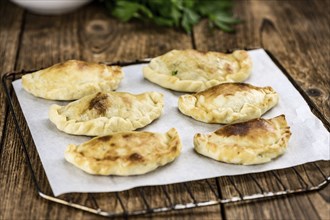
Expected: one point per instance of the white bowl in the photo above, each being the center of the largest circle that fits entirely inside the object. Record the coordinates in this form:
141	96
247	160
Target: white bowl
51	7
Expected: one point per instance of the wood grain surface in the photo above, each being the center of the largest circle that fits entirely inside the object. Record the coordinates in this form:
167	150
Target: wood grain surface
295	32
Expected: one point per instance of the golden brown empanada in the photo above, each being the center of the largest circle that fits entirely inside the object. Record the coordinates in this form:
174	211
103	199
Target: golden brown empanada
228	103
253	142
194	71
125	153
105	113
72	79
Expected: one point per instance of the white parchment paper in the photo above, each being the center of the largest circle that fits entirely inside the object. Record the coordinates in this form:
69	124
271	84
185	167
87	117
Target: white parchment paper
309	140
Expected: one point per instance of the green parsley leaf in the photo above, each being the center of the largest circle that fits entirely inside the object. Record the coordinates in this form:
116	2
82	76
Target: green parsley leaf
225	27
225	18
175	13
174	72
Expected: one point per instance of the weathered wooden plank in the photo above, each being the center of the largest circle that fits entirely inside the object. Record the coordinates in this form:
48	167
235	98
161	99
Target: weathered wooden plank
287	29
291	44
87	34
18	189
37	48
48	41
19	197
274	209
10	26
292	32
104	39
280	208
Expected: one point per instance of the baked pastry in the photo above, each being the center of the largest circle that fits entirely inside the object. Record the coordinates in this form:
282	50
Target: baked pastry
253	142
228	103
125	153
105	113
193	71
72	80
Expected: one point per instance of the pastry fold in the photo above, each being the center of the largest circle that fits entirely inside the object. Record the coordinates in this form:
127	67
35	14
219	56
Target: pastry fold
125	153
228	103
72	80
253	142
105	113
194	71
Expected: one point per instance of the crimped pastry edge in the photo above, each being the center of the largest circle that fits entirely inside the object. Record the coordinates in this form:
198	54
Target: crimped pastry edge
88	164
268	152
103	125
176	84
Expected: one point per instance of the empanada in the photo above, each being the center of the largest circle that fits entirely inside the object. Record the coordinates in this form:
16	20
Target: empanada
194	71
253	142
105	113
125	153
228	103
72	80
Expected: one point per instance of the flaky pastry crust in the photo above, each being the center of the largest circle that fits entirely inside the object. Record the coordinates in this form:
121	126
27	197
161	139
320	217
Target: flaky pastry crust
105	113
194	71
125	153
228	103
253	142
72	80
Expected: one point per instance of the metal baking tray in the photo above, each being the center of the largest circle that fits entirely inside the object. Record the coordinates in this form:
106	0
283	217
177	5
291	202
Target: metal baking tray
142	200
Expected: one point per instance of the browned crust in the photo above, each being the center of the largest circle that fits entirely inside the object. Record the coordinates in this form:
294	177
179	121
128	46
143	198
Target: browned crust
227	89
247	128
244	128
80	65
253	142
135	157
116	70
125	153
99	103
105	138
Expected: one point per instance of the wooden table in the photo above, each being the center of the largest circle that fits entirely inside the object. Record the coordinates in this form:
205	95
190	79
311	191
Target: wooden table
295	32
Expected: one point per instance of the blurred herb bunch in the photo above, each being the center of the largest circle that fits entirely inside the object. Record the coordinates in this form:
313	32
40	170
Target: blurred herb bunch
175	13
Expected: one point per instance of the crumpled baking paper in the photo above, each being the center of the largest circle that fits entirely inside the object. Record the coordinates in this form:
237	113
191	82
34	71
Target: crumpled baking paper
309	140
